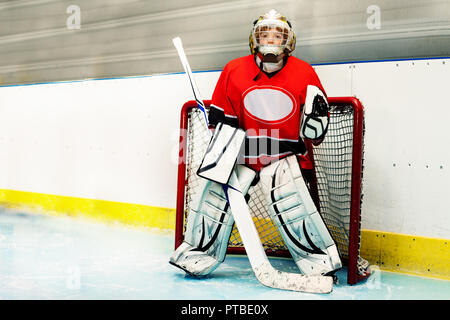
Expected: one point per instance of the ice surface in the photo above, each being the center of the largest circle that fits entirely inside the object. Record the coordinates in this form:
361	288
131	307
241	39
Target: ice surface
45	257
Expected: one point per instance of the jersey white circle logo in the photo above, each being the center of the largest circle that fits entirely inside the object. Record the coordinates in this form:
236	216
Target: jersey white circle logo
269	104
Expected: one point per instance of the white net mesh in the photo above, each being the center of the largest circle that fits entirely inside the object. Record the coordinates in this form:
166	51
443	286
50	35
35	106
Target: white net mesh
333	163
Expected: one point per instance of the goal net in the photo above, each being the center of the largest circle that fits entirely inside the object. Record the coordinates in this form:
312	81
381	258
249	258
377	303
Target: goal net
337	187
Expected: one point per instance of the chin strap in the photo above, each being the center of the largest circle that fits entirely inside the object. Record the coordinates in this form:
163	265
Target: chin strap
267	67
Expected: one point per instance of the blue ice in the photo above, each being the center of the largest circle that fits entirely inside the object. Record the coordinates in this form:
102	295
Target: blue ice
46	257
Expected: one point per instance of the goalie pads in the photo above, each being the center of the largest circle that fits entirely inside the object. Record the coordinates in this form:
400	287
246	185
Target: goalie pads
221	154
209	226
299	223
316	116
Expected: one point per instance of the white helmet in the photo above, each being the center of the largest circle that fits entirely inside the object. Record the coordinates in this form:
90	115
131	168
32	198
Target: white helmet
272	34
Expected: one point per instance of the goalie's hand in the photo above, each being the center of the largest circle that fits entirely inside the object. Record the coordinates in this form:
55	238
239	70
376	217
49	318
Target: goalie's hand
316	116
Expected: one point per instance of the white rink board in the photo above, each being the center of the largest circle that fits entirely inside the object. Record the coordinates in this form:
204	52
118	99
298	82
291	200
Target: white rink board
117	139
407	177
112	140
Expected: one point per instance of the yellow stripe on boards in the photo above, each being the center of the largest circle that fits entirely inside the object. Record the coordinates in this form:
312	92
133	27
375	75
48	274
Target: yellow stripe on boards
406	253
106	211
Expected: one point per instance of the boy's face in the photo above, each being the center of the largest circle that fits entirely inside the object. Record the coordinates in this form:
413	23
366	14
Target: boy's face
271	35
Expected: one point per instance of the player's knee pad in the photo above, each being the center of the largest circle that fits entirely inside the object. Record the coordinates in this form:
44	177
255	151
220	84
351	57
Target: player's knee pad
298	221
208	227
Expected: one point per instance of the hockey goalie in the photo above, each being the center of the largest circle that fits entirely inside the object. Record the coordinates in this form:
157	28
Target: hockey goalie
263	108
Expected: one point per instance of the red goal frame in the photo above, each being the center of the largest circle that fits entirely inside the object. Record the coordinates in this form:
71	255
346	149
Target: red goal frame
356	184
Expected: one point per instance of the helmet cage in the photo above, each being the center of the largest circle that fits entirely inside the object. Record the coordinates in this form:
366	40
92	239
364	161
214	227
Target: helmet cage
272	36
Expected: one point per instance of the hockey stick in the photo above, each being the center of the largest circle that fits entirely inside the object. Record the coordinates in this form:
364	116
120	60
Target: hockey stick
259	262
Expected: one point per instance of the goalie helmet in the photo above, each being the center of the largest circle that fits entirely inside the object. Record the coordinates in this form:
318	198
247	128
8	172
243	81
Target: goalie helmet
272	34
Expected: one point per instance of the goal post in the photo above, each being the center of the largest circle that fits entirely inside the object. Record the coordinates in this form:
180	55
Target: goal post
337	187
338	174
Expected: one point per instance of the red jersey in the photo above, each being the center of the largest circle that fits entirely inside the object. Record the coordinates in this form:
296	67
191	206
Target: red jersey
267	107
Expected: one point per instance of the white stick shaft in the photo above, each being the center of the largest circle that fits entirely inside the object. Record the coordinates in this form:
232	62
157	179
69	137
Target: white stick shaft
246	227
264	271
187	68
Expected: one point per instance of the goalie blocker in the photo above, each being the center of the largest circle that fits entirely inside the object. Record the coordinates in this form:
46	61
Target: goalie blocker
221	154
